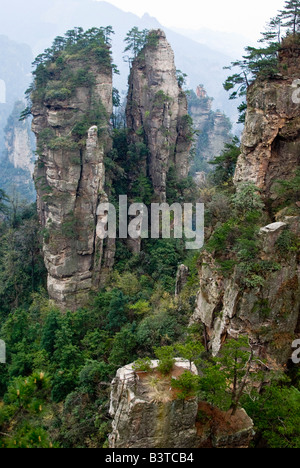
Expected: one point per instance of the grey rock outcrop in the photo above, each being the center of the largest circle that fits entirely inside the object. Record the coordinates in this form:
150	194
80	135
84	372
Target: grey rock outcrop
266	308
147	415
70	183
157	113
271	139
268	314
181	278
213	126
219	429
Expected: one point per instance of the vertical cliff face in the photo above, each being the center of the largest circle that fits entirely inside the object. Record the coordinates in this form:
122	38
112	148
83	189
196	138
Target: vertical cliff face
265	305
157	113
268	313
213	127
17	163
71	124
15	60
150	416
18	141
271	140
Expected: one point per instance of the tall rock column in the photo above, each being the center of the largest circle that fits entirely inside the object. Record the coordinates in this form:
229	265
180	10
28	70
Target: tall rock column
266	308
71	123
157	113
213	126
271	139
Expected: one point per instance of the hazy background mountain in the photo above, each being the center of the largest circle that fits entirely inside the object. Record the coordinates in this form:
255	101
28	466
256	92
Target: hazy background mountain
15	68
29	27
231	44
37	23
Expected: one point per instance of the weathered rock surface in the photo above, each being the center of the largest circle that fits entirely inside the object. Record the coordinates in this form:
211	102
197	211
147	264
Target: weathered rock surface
213	126
181	278
268	314
70	178
147	414
157	113
18	141
17	163
219	429
271	139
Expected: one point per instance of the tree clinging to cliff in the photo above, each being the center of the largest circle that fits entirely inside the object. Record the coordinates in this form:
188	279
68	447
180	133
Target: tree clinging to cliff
263	62
290	16
135	40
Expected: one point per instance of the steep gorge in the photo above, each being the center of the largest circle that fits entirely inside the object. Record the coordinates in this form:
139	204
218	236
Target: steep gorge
71	120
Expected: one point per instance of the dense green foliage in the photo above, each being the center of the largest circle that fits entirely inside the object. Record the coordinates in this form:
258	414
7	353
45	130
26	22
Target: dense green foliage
55	386
55	79
136	40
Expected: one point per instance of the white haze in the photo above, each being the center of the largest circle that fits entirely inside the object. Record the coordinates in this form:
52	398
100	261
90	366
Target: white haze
234	16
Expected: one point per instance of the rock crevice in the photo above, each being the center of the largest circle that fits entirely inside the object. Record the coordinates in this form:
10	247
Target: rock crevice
271	139
70	183
157	113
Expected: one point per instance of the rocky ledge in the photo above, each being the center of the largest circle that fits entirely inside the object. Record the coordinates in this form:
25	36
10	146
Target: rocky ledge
147	413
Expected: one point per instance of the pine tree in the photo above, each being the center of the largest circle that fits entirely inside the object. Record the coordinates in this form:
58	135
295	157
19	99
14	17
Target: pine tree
3	200
273	31
290	16
263	61
135	41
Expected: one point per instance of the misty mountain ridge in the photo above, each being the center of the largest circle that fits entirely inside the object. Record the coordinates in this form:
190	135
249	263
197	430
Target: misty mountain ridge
38	23
231	44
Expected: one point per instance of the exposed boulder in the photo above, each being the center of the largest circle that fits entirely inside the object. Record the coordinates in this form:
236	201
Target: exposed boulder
147	413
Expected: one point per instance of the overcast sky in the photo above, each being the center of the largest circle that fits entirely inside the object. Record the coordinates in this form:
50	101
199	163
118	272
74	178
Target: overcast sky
240	16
